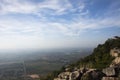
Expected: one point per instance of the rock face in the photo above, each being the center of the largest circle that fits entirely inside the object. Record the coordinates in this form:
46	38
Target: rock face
109	71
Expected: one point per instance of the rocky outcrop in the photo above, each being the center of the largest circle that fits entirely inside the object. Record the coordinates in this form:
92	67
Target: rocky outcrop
81	74
68	76
92	75
113	72
109	71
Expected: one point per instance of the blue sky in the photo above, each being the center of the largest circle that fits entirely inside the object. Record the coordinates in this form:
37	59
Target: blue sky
44	24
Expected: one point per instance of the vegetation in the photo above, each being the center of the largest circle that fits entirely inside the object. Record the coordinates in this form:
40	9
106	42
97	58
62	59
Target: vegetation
99	59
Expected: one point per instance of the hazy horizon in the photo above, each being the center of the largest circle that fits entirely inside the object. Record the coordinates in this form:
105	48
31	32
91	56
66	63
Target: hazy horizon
57	24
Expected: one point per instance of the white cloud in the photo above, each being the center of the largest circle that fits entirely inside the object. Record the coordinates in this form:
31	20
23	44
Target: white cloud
44	28
15	6
27	7
43	8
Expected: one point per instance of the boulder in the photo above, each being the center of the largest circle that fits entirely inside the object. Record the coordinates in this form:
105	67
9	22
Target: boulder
67	69
64	75
74	75
97	75
86	77
83	70
109	71
92	75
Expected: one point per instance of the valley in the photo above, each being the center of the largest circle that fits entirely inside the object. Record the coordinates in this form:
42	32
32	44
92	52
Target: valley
37	64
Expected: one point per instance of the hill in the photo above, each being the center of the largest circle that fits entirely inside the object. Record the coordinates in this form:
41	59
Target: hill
98	60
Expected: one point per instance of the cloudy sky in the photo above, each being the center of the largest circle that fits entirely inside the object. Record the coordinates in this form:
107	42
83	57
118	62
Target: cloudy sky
43	24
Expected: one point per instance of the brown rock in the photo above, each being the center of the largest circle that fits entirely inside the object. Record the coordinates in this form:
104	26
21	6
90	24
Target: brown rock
64	75
74	75
109	71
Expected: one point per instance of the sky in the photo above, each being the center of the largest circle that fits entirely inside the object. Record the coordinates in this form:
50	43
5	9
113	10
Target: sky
46	24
